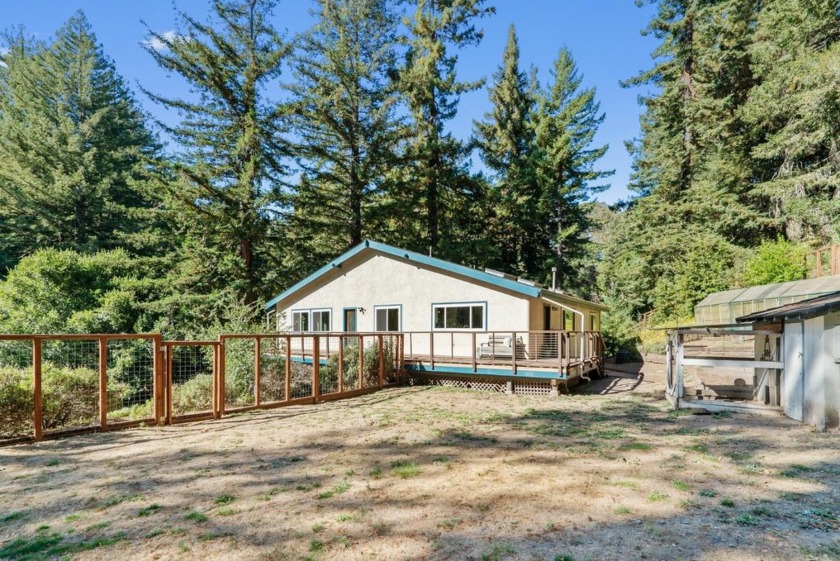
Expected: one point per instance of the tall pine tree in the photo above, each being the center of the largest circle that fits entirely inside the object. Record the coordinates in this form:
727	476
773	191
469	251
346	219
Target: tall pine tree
505	140
344	103
566	121
439	185
75	152
231	157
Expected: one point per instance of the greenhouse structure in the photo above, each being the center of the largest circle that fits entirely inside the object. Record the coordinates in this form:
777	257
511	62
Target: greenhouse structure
722	308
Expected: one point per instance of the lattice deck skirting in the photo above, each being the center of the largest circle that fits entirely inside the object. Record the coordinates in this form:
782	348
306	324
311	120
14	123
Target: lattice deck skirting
487	385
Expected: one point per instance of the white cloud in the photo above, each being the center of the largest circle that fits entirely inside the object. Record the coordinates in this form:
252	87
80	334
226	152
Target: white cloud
158	45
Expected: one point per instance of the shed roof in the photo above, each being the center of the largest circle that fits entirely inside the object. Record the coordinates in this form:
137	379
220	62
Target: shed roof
792	289
499	280
803	309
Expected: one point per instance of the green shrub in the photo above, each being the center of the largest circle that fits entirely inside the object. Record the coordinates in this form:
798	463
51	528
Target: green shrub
193	395
16	403
329	372
775	261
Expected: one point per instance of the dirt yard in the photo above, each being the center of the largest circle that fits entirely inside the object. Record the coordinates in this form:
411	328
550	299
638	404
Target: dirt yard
434	473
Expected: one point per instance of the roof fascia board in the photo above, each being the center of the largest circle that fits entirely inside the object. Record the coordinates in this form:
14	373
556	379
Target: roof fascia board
433	262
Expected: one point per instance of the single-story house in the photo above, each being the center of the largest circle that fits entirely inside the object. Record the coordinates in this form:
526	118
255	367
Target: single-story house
375	287
810	380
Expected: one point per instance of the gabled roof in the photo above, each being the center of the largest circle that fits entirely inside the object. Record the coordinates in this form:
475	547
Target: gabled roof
525	288
804	309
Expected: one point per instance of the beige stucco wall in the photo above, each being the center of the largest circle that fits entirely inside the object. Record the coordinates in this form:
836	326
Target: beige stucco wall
374	280
537	324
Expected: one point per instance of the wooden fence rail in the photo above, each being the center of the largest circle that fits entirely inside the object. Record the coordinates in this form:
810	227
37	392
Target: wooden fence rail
56	385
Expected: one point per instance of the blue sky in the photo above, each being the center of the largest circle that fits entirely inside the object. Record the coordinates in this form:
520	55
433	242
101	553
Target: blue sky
603	35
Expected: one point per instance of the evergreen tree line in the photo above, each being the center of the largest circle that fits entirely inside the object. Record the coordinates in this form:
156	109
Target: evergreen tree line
287	152
736	166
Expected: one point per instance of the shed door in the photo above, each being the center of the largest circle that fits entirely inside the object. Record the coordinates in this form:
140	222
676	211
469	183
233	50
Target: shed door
792	375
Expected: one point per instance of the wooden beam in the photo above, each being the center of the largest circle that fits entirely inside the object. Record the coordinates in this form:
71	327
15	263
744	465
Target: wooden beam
724	362
380	345
221	391
38	411
257	368
341	365
103	384
316	367
288	368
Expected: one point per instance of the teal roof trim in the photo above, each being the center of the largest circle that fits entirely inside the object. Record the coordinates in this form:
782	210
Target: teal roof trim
433	262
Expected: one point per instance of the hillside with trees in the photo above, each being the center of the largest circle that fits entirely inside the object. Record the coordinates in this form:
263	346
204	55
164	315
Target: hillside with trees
292	149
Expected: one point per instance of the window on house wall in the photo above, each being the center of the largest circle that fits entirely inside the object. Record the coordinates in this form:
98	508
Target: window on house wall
459	316
569	321
387	318
321	320
300	321
593	323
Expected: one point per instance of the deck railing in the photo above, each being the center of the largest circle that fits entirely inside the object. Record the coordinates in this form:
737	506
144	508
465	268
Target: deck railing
541	349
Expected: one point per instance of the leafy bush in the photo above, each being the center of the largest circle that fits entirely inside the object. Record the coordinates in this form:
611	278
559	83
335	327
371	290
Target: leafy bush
193	395
53	291
16	403
329	372
775	261
70	397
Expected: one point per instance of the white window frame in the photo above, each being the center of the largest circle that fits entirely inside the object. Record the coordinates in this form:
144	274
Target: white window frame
386	308
310	314
296	323
470	305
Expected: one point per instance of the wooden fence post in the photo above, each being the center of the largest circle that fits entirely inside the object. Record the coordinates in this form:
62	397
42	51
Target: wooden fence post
341	365
221	392
381	347
215	386
316	367
257	368
38	410
288	367
168	383
361	361
103	384
157	377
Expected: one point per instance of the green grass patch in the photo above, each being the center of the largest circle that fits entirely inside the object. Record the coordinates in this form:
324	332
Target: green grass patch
657	496
680	485
376	473
727	502
72	517
499	552
337	490
635	446
348	517
624	510
210	536
11	517
796	470
224	499
316	545
626	484
746	520
44	546
318	528
149	510
226	511
119	499
404	469
98	526
707	493
196	516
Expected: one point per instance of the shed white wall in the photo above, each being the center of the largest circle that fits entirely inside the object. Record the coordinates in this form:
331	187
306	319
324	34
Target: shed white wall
379	280
811	379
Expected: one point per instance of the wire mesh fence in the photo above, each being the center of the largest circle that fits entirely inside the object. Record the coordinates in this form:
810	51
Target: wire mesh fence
272	387
130	380
17	395
70	384
98	382
191	370
239	373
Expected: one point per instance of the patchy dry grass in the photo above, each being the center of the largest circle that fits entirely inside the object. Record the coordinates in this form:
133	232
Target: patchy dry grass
434	473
